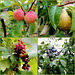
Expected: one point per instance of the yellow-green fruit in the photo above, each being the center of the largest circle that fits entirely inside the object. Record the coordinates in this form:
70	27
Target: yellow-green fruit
65	21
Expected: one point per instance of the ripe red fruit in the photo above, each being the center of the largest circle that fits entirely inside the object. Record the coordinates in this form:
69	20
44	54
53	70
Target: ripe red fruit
21	42
18	14
18	40
30	17
22	47
16	46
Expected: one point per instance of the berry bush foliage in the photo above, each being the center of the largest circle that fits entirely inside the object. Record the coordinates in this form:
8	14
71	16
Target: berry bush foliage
56	18
18	18
52	61
18	56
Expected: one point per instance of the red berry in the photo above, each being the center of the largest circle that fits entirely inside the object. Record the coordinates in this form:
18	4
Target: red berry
16	46
21	42
18	40
23	52
23	45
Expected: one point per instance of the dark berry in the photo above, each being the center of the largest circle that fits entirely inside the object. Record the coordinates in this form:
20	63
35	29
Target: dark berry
17	65
28	65
52	47
24	65
27	68
21	42
16	50
47	52
72	54
14	69
48	55
17	69
53	50
27	56
24	56
26	61
64	53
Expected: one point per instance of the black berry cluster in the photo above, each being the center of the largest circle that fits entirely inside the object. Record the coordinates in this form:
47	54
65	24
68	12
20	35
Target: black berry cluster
21	53
16	68
52	50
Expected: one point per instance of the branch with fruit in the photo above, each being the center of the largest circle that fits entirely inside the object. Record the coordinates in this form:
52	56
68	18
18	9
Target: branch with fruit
26	16
58	21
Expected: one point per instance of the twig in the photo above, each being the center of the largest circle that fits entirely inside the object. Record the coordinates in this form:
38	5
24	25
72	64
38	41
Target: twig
63	4
4	27
66	3
31	5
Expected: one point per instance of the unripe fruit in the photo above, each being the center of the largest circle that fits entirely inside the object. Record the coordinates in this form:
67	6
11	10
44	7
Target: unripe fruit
65	21
18	14
30	17
21	55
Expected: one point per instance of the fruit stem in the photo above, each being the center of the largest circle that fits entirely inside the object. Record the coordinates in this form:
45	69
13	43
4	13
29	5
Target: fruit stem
4	27
31	5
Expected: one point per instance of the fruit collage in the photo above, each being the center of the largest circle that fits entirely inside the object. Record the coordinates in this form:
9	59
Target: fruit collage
37	37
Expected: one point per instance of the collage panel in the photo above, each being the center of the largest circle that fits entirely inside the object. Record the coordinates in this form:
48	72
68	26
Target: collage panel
18	56
18	18
56	56
37	37
56	18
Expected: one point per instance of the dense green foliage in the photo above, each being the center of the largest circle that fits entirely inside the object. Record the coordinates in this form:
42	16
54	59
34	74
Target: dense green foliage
56	62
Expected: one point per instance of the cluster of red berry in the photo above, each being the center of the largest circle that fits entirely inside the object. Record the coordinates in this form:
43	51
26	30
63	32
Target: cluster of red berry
21	53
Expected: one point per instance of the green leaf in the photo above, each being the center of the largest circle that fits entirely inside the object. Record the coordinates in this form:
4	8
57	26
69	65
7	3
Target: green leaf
6	4
26	72
63	63
32	50
46	59
16	30
33	65
31	30
54	14
73	22
73	36
54	62
6	52
4	64
13	58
